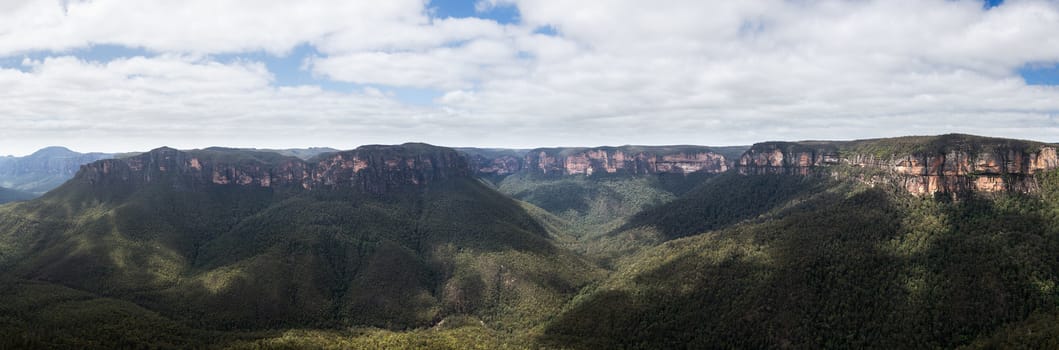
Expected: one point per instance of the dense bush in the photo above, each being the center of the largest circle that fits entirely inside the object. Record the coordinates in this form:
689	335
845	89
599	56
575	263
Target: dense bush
845	268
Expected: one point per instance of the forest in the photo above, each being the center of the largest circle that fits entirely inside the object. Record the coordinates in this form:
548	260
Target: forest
526	261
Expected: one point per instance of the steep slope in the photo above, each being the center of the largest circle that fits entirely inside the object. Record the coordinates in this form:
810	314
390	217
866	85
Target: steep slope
815	256
588	192
9	195
722	201
43	170
635	160
952	164
385	236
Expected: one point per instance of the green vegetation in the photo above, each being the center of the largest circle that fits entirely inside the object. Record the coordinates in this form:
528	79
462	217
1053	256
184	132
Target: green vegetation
907	145
583	210
243	260
469	337
941	144
42	315
700	261
838	267
725	200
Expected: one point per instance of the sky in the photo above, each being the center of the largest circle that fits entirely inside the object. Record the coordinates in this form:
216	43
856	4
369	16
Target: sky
116	76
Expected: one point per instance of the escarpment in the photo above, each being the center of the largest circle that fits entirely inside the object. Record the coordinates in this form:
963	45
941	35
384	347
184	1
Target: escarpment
628	160
375	169
949	164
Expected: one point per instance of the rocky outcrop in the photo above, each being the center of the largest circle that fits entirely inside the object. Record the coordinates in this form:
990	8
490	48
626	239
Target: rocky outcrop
489	162
950	164
376	169
629	160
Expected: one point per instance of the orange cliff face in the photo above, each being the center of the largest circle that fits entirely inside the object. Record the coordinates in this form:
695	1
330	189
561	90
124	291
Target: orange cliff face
374	169
956	171
769	159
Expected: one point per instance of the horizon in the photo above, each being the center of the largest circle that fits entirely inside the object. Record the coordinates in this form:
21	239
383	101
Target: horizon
457	147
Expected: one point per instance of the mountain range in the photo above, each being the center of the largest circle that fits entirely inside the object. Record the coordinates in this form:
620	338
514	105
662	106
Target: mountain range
927	241
43	170
23	178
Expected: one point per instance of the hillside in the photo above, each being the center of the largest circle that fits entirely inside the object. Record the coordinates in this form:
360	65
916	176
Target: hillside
953	165
601	161
812	244
585	193
9	195
395	237
43	170
807	254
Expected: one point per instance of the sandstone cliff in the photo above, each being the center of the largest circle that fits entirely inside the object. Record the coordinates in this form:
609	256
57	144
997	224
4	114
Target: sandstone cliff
375	169
950	164
630	160
493	161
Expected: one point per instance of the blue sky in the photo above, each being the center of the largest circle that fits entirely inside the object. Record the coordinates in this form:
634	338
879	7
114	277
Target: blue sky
289	69
505	14
1041	74
341	73
1034	74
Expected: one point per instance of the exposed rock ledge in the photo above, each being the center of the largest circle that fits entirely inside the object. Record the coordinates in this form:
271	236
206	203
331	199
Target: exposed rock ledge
949	164
374	169
629	160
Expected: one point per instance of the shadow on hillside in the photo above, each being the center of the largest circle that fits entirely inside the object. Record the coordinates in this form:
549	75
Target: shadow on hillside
722	201
241	258
829	276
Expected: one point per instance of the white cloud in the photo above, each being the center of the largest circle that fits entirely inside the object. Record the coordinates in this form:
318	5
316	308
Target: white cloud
620	71
443	67
140	103
198	26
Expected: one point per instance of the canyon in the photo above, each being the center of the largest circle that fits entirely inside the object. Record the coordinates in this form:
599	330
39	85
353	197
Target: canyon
947	164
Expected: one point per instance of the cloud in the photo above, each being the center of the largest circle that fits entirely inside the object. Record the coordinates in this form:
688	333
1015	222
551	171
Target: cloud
135	103
610	72
443	67
196	26
789	70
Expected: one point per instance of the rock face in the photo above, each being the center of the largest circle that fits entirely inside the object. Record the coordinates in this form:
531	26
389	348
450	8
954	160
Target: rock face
494	162
629	160
949	164
375	169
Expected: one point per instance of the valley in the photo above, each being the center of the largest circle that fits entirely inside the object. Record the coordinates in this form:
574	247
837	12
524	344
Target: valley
935	241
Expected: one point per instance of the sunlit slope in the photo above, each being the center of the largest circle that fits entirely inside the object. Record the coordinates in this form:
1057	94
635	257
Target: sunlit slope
841	266
253	257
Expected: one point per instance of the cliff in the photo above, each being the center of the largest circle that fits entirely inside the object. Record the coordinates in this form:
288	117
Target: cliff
494	161
630	160
375	169
949	164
